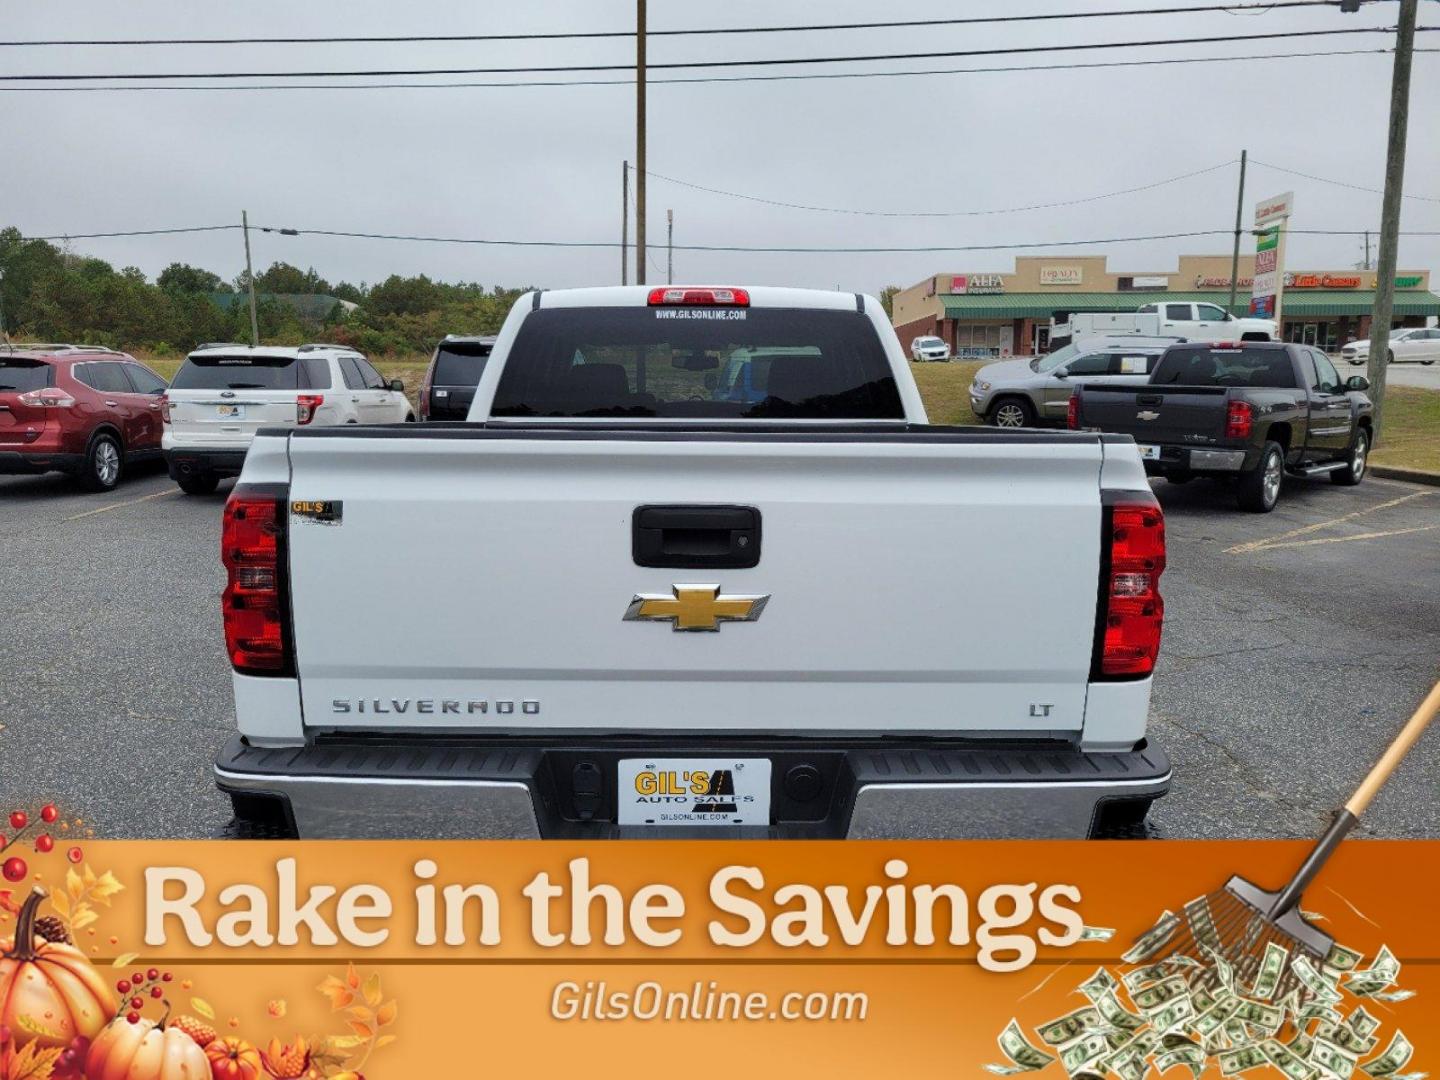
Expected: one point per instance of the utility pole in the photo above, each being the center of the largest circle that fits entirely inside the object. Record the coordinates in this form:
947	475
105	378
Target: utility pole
669	247
250	279
1390	209
1239	217
1367	251
625	223
640	165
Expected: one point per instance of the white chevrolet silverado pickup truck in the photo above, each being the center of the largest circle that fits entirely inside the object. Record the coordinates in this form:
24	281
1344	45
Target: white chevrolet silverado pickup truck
695	565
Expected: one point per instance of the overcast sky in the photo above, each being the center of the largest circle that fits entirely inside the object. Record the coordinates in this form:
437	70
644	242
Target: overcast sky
544	163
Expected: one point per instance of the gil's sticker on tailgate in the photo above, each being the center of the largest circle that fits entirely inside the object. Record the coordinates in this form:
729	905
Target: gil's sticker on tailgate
693	791
1149	453
325	511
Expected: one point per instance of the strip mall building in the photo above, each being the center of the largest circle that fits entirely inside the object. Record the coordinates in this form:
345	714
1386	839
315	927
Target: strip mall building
983	315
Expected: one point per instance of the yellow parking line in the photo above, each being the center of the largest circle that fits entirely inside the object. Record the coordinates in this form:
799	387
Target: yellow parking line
1343	539
1279	541
127	502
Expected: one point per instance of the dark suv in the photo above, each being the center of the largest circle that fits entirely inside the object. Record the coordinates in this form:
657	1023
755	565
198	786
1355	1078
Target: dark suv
83	410
454	372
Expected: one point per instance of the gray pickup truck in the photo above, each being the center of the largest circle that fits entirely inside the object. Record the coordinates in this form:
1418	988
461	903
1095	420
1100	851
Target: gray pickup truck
1252	411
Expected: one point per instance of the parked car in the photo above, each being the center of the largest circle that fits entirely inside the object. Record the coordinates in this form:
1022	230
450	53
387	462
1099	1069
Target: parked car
1416	344
929	348
652	576
1168	318
82	410
1028	393
223	394
450	380
1255	411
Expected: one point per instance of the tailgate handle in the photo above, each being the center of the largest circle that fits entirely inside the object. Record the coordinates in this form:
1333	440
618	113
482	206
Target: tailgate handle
1150	399
696	537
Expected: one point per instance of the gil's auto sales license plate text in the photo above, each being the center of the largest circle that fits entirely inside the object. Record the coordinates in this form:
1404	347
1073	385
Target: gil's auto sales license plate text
693	791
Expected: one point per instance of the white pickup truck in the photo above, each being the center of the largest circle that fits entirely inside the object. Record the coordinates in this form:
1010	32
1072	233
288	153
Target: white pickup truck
696	565
1165	318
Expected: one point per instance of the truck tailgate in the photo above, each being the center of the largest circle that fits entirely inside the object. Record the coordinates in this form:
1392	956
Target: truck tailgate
478	579
1157	414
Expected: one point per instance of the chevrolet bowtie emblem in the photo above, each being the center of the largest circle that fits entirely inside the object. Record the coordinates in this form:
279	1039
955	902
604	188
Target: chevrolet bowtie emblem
1147	414
695	607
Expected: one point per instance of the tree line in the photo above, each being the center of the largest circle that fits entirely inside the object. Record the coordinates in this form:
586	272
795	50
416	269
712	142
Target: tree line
50	294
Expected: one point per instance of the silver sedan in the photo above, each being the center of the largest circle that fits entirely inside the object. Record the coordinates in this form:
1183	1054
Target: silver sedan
1026	393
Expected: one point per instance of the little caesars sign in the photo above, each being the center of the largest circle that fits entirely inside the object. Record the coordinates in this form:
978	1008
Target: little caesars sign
1271	216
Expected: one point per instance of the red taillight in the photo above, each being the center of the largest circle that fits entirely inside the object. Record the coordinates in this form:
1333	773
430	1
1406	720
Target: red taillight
1239	419
165	407
1072	412
306	406
1129	635
252	547
708	297
47	397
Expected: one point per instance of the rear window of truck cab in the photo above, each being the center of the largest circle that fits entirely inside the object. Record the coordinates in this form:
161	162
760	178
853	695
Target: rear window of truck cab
1202	365
753	363
252	373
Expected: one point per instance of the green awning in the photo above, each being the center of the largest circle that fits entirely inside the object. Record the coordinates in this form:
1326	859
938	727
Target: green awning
1298	303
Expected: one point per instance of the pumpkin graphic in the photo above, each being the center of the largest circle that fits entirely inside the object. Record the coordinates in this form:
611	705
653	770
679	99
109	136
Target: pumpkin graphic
145	1050
50	985
232	1058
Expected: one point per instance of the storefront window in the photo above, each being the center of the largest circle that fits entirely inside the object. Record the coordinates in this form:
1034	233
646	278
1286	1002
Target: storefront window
979	341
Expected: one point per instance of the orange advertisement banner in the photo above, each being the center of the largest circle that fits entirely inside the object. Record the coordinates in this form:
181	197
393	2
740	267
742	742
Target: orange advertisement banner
344	959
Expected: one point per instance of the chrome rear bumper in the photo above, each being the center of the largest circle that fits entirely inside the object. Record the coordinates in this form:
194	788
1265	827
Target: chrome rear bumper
464	790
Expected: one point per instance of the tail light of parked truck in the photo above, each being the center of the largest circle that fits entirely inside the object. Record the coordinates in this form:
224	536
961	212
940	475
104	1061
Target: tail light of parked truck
1239	418
253	549
306	406
1133	612
1072	412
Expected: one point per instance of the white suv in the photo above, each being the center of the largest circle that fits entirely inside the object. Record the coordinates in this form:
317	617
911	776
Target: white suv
929	348
223	394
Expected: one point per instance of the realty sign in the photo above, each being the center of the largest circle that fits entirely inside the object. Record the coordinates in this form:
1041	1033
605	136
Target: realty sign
1270	218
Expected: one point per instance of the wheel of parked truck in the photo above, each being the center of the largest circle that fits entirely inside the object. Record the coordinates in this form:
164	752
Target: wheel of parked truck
198	484
1013	412
1356	461
1259	490
104	462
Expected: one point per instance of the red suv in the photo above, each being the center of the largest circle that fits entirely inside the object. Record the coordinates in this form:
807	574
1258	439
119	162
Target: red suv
85	411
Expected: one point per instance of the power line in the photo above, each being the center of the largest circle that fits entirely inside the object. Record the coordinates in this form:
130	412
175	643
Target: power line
1226	39
739	248
1336	183
708	79
134	232
755	249
690	32
938	213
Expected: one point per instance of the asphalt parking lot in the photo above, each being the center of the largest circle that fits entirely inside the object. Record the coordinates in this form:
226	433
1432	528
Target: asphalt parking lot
1296	644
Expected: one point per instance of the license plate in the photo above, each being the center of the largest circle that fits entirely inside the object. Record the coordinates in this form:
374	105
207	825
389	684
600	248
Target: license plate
230	412
693	791
1150	453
